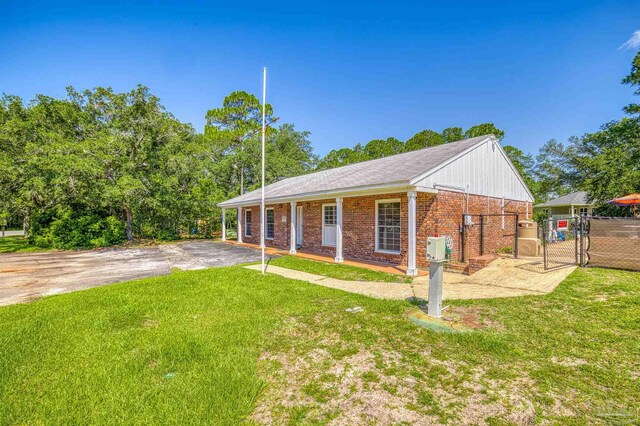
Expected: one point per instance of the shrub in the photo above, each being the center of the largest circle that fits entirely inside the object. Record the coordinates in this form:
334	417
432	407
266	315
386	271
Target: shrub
70	230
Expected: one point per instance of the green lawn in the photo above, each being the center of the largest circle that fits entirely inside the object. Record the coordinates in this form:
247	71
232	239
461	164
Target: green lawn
17	245
339	271
227	345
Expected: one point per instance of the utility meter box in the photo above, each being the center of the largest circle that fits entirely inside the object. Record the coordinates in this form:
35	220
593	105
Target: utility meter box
468	220
436	248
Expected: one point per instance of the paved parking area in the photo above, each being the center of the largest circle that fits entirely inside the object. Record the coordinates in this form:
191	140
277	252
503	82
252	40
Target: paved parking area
28	276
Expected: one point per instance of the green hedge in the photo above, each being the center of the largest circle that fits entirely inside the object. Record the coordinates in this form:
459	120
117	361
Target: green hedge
69	230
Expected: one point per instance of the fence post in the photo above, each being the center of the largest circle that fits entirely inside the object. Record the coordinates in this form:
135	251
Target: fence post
481	235
582	228
575	236
544	242
515	248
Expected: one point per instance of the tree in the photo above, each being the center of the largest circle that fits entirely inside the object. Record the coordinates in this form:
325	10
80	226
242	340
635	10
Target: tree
452	134
525	165
339	157
233	124
554	172
423	139
607	163
484	129
379	148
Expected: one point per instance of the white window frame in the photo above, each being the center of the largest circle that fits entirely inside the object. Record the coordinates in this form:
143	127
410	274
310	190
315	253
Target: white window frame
377	247
322	236
266	224
585	208
248	228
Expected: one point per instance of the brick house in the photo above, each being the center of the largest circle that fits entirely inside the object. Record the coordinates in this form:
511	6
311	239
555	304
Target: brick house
383	210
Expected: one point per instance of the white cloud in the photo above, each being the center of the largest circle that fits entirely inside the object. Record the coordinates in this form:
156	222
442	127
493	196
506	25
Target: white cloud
633	42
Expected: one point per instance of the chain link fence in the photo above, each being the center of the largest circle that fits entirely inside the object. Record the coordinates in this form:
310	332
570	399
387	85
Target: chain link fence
611	242
592	241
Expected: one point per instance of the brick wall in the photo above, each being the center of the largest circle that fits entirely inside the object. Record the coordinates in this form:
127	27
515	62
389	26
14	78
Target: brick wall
435	214
281	229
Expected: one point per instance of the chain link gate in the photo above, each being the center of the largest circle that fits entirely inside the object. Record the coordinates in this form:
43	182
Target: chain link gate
561	242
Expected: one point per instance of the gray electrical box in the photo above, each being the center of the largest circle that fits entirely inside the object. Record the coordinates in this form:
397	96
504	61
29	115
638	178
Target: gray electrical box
436	248
468	220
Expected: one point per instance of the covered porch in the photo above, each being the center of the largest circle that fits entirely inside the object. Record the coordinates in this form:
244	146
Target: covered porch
305	254
376	229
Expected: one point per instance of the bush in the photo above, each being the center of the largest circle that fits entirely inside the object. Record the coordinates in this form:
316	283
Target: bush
68	230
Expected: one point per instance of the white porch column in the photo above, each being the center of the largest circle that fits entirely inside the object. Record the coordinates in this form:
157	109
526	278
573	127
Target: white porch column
412	270
292	248
239	239
224	224
339	257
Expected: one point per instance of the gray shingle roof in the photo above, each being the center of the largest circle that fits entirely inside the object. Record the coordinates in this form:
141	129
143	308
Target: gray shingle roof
575	198
395	169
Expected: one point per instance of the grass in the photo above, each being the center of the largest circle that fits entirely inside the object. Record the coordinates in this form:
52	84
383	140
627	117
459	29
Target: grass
17	245
226	346
339	271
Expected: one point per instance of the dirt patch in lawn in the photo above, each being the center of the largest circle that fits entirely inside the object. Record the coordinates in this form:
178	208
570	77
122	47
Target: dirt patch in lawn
340	382
473	317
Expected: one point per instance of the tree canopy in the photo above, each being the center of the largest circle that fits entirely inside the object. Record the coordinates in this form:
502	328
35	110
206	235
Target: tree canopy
117	165
379	148
98	167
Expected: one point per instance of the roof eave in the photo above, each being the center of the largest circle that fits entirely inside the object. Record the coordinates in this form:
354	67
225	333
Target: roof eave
358	191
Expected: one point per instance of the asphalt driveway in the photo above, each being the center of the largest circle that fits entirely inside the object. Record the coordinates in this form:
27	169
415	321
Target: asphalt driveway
28	276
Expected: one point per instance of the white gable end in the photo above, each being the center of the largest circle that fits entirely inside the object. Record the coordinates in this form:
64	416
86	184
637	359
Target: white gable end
482	170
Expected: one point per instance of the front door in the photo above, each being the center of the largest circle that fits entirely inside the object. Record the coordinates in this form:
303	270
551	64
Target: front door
299	226
329	220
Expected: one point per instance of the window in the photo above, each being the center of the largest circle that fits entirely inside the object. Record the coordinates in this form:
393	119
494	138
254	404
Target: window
583	211
247	223
329	221
388	226
330	214
270	224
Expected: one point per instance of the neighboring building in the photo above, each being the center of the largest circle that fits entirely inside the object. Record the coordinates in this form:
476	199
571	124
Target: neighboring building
574	204
384	209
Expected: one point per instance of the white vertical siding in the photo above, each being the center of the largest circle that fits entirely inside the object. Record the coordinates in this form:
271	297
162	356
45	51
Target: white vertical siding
484	170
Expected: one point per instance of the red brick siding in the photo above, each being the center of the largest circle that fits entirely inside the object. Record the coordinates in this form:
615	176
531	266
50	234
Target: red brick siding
435	214
281	229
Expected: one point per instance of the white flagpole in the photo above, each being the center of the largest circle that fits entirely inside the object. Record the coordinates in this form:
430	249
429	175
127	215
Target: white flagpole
262	211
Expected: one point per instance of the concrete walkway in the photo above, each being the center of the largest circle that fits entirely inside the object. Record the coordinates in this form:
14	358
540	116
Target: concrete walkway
502	278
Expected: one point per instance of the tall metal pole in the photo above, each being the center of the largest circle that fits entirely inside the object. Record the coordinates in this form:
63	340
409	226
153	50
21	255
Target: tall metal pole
262	211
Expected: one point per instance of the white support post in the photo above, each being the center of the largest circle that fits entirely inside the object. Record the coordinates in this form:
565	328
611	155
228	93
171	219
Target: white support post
292	246
224	225
339	257
239	224
412	269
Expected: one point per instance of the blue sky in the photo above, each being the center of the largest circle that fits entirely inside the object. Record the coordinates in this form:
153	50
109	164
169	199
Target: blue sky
348	72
